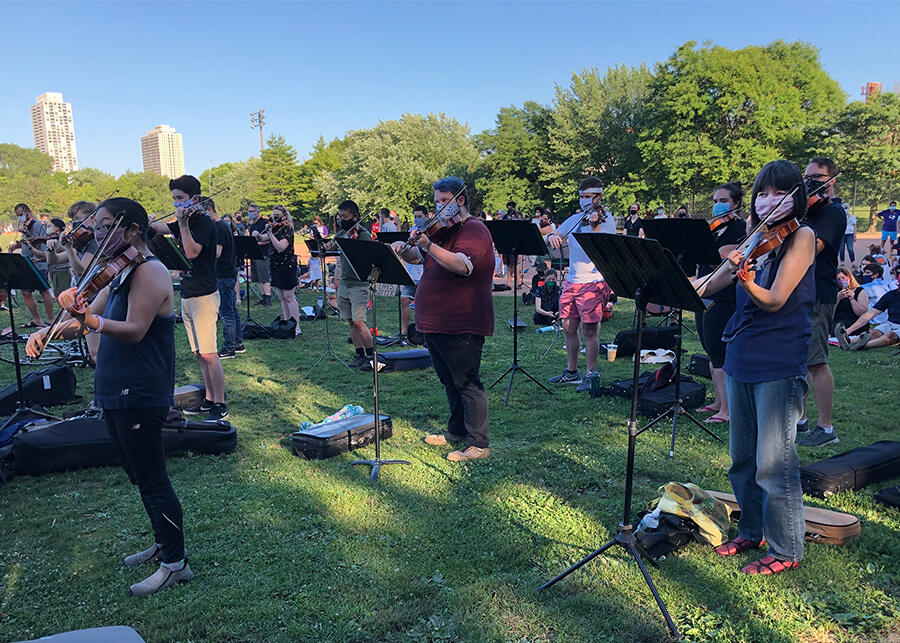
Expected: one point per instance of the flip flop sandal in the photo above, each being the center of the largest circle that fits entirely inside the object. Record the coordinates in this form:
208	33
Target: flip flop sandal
737	545
769	566
709	409
30	324
715	419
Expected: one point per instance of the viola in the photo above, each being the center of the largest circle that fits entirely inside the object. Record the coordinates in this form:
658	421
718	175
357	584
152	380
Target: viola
434	228
102	276
770	239
78	237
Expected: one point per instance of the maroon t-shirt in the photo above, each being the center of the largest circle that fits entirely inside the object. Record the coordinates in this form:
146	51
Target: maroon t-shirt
455	304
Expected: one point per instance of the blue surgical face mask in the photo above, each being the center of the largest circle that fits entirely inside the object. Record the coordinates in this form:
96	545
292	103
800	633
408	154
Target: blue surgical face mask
893	207
719	209
660	211
586	203
181	204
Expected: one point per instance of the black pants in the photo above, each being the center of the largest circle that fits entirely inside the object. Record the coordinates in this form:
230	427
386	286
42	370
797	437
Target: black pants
542	320
137	435
710	325
457	360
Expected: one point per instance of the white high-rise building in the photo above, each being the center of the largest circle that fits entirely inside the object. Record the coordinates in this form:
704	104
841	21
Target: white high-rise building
54	133
163	152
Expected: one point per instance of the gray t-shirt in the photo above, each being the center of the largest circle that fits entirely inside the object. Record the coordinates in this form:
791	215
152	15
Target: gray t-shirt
37	229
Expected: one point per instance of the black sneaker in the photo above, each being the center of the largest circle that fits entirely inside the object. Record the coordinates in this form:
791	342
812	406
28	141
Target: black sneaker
803	427
218	412
566	377
585	385
224	354
240	348
205	407
358	361
818	437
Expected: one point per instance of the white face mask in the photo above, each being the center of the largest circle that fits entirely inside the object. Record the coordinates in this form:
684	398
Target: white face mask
448	211
586	203
765	204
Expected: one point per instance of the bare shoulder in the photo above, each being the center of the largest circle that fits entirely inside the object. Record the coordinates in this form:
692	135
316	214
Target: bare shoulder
153	272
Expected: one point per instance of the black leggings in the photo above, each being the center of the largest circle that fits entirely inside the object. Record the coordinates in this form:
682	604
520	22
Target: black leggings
710	325
137	435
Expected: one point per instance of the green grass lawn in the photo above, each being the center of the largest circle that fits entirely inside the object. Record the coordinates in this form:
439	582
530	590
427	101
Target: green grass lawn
292	550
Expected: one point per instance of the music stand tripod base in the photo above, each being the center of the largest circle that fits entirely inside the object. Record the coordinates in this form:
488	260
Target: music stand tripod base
328	350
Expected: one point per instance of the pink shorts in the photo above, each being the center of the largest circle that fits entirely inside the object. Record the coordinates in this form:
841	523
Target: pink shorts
584	301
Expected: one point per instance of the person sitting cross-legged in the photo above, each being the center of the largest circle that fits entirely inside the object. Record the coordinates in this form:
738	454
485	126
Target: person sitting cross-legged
546	300
884	334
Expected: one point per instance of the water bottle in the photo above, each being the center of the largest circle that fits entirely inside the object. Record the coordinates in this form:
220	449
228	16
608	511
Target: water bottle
545	329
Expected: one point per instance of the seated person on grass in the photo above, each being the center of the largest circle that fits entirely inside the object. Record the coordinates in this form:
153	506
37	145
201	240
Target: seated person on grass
852	300
546	300
884	334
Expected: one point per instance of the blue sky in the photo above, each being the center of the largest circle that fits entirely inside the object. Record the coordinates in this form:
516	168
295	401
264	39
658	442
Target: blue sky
326	68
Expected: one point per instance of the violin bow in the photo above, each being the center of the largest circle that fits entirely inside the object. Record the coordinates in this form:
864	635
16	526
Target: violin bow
203	200
85	279
431	220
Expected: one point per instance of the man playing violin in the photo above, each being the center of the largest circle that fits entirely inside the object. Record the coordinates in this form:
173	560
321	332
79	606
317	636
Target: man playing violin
353	290
135	319
455	312
585	292
31	228
198	238
828	220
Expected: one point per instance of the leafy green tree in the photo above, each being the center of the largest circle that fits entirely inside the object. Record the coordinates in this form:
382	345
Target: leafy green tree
393	164
325	157
278	175
512	155
594	131
241	180
21	160
717	115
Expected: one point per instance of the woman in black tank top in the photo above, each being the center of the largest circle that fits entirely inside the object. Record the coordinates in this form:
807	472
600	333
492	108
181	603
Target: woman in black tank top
134	380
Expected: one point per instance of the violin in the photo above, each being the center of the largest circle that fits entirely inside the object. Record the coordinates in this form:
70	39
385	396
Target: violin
818	198
770	239
720	222
78	237
101	277
353	233
435	228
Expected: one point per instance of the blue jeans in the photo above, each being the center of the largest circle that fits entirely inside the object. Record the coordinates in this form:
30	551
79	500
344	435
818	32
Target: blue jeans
765	471
848	243
228	313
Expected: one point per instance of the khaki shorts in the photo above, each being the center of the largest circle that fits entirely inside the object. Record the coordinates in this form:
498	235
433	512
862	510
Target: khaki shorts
353	301
821	317
200	315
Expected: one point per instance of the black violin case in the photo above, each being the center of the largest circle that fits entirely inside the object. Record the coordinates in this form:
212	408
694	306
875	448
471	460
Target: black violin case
653	403
406	360
46	387
82	442
852	470
328	439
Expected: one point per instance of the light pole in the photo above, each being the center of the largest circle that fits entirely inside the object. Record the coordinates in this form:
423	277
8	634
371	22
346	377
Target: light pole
256	122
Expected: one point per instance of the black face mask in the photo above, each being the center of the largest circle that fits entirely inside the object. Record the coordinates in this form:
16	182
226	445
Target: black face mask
346	224
812	184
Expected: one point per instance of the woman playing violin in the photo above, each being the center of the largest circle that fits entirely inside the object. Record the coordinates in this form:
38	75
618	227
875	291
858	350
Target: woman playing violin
135	377
710	323
765	373
283	262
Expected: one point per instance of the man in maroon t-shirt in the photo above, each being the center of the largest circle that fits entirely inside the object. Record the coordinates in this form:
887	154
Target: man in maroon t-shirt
455	312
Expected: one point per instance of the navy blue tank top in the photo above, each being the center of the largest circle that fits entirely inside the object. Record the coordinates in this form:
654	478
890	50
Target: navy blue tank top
762	346
135	375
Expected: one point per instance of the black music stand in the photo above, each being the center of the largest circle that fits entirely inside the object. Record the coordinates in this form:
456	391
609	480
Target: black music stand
246	249
317	250
17	272
516	238
642	270
691	241
382	265
166	249
389	238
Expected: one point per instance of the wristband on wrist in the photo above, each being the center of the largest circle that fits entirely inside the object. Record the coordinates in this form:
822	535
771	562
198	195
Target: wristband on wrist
99	327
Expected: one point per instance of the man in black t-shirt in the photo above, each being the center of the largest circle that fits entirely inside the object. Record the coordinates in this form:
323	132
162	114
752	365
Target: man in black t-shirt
198	237
260	271
829	222
226	276
885	334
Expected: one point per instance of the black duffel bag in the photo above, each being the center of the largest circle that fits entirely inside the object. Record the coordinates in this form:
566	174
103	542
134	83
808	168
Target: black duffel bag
48	386
651	339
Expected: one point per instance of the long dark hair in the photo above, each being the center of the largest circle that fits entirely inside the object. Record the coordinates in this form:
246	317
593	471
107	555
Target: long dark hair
782	175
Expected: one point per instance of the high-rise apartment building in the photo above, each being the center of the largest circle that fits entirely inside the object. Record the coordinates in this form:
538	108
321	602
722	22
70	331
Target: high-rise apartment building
163	152
54	133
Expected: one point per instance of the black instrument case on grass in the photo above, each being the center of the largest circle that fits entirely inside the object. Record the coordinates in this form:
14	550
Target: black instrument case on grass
653	403
48	386
83	441
407	360
852	470
329	439
699	365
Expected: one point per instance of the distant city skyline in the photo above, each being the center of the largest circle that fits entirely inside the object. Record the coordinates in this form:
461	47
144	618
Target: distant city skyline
292	59
162	151
53	130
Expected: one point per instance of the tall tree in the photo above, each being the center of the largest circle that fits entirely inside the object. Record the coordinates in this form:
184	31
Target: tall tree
395	163
241	180
279	175
325	157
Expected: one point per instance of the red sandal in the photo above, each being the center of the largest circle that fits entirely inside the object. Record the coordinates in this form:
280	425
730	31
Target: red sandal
737	545
769	565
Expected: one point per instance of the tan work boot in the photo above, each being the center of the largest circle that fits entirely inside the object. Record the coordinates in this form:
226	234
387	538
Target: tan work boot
440	439
470	453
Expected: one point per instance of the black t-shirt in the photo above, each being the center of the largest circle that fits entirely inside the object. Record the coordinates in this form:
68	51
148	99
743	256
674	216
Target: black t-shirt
732	235
225	268
890	302
632	228
829	223
260	226
843	312
286	257
200	280
549	298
